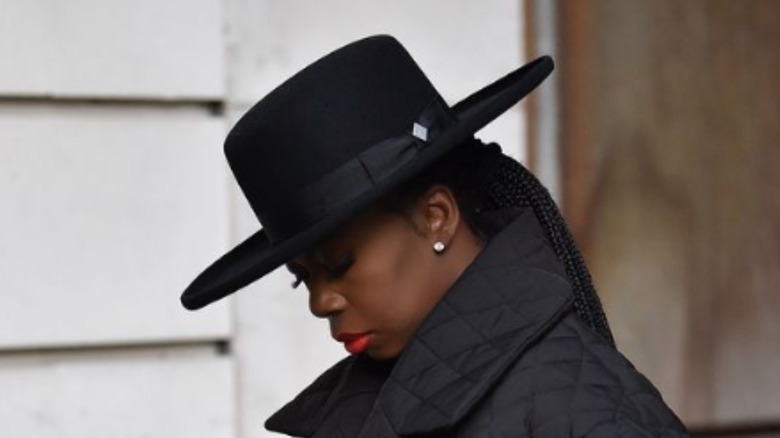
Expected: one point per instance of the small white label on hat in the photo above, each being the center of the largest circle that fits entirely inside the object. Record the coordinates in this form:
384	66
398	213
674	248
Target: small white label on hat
420	131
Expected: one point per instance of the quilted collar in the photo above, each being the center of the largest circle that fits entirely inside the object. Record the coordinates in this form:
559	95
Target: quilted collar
506	299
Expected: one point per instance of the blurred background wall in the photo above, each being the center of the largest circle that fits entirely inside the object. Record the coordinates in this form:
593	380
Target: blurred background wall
658	134
669	129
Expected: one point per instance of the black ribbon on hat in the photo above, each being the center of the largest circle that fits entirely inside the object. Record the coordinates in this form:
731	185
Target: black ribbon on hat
357	176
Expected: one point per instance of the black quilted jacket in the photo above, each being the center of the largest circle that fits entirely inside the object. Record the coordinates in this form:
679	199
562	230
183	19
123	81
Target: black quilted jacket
501	356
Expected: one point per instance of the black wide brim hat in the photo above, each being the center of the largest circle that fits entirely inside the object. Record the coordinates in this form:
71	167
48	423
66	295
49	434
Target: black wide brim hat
335	138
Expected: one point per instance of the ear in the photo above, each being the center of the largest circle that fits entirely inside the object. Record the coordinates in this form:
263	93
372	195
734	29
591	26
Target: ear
440	213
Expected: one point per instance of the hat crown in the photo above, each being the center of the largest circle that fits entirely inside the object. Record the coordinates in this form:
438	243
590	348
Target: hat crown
325	115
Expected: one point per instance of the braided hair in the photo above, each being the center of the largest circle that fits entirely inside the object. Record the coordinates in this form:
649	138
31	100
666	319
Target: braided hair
485	180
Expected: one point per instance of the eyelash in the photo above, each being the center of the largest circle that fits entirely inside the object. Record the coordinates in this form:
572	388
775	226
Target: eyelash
300	274
297	282
333	273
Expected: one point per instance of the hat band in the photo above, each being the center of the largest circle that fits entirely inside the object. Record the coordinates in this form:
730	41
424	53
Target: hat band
357	176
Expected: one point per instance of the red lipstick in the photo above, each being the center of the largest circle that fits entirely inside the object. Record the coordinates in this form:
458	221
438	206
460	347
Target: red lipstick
355	343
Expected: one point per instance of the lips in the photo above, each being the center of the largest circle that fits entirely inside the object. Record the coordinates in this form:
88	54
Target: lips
355	343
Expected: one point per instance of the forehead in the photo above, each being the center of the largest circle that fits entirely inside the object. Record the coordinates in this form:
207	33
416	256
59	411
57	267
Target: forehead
354	233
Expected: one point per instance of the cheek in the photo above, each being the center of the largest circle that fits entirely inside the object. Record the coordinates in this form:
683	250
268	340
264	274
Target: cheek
398	282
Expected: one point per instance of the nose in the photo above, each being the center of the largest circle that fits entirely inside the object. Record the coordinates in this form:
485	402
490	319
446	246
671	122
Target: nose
324	301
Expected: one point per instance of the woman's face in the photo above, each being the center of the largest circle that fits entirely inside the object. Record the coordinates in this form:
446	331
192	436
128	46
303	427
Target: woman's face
378	277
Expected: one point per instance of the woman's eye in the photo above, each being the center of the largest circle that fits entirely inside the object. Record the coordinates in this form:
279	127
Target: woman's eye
339	269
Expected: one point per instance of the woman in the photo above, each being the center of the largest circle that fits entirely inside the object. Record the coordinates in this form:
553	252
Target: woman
442	265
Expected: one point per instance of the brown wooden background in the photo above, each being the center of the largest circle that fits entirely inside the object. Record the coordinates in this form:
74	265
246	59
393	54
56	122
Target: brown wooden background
670	137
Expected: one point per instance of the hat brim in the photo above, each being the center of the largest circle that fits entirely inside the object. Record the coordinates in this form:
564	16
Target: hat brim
257	256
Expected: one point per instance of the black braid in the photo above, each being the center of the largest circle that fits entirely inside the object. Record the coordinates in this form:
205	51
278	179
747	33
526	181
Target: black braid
483	179
512	185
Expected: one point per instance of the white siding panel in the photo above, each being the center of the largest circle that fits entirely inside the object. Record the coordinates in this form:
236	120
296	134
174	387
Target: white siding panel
106	214
23	47
131	396
112	48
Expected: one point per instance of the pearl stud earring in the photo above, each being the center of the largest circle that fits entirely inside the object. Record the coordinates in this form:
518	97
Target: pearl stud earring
438	247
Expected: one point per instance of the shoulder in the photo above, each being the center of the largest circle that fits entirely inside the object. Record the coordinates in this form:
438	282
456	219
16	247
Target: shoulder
572	383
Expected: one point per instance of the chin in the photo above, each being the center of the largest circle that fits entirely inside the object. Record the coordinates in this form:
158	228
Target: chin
382	354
